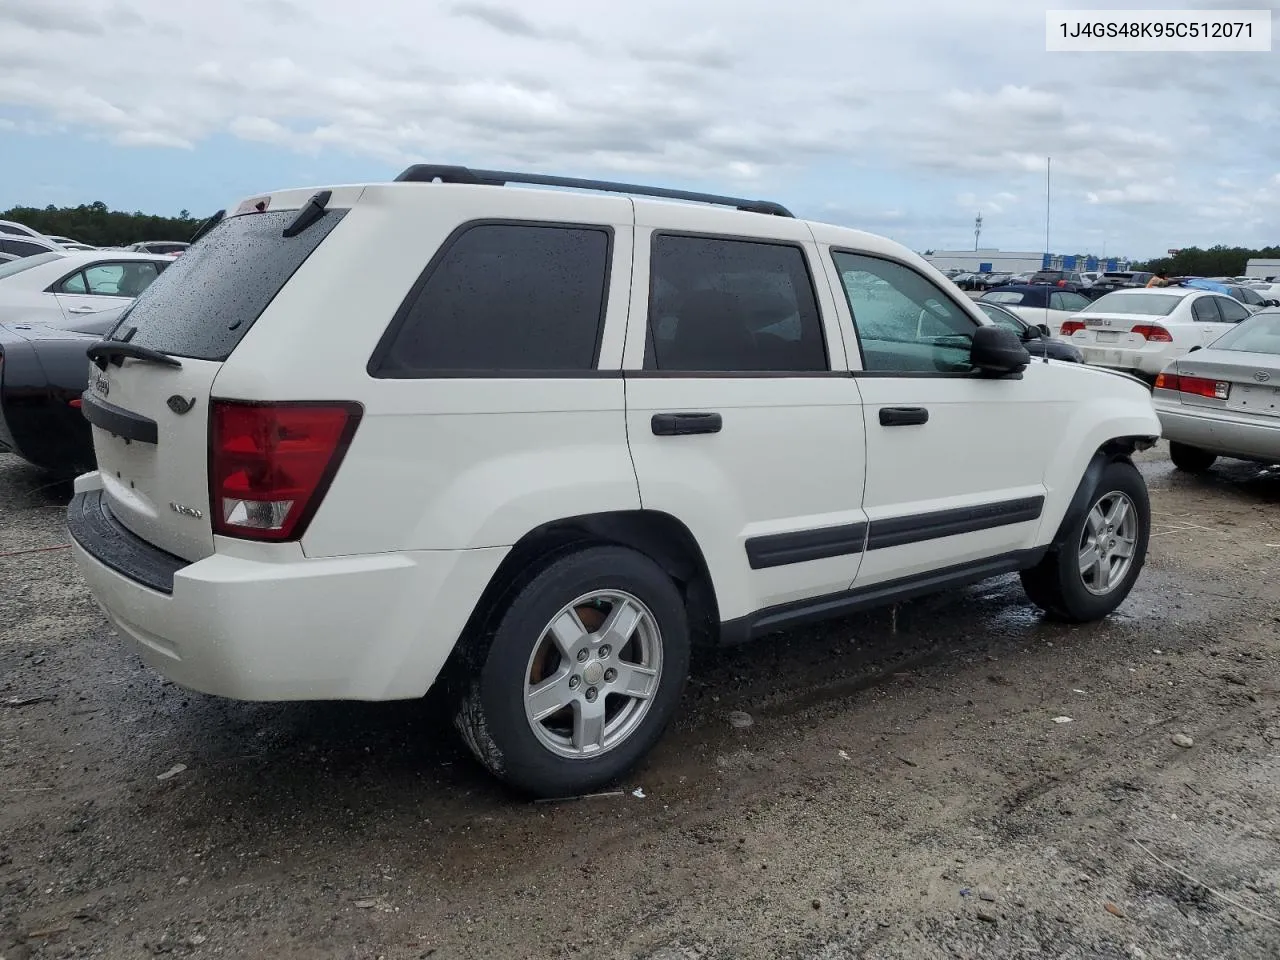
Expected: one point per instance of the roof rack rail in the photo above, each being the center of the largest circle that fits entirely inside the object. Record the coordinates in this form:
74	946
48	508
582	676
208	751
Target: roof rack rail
428	172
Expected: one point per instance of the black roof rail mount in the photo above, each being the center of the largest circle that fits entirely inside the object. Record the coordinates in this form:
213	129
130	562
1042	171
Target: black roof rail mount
429	172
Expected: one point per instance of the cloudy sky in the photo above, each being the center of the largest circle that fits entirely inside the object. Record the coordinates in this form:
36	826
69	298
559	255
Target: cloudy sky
905	118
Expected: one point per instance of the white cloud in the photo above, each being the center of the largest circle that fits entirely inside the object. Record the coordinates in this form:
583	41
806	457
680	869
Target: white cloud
825	106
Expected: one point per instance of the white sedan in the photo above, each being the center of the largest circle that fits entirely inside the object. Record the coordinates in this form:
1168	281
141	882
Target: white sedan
1141	330
63	287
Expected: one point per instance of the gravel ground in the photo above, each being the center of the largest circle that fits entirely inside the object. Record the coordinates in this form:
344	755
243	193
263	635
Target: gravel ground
903	789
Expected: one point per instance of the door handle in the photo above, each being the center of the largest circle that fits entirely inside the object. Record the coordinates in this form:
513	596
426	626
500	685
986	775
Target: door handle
682	424
80	310
903	416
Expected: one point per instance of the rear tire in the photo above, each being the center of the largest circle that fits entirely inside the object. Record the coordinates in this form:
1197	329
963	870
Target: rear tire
1091	571
547	711
1191	459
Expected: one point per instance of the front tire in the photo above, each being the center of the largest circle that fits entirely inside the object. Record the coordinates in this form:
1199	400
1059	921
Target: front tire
583	671
1191	459
1090	573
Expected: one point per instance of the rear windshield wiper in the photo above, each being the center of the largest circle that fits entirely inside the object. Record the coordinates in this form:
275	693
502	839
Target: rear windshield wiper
311	211
207	226
114	351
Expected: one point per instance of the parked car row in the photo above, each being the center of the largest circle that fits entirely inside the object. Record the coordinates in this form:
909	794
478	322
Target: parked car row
19	240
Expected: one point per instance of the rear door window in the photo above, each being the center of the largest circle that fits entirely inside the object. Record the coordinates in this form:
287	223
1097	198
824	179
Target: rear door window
503	298
719	305
203	304
1204	311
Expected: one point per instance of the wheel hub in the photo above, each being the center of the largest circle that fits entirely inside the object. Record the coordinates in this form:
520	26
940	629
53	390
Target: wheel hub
1108	543
593	674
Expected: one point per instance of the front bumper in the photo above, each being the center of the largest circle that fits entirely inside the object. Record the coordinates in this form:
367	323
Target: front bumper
1221	432
375	627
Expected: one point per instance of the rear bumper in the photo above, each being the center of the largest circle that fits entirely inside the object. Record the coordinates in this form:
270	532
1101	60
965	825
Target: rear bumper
1147	362
377	627
1225	435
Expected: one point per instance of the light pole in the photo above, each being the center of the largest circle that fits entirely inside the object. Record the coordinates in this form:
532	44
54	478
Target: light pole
1047	162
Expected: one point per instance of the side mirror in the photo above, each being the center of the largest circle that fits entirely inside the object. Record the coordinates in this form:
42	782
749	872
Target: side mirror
1044	330
1273	303
998	352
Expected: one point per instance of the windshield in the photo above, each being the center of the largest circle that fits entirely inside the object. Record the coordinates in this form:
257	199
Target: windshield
1138	304
1259	334
26	263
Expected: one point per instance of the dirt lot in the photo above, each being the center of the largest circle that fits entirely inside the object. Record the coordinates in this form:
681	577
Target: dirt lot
903	791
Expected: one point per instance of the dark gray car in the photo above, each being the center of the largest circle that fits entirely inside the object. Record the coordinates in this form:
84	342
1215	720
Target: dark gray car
1038	340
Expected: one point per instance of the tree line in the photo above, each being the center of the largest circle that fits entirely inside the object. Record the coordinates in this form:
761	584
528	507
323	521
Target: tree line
94	224
1217	261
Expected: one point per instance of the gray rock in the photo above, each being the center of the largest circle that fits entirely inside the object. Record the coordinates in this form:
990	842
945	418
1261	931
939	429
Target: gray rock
1182	740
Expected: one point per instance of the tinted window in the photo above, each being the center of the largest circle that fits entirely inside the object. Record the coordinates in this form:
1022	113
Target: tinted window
1005	296
904	323
23	248
206	301
17	266
1204	311
74	284
504	297
9	228
1232	312
732	305
1141	304
1250	297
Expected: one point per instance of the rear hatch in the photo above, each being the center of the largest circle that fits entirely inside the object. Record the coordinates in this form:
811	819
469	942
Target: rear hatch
150	384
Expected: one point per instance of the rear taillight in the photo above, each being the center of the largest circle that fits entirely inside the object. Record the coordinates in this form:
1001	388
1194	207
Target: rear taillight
1199	386
1071	326
271	463
1153	332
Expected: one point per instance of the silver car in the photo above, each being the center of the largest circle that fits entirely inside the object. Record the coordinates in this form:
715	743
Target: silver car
1224	400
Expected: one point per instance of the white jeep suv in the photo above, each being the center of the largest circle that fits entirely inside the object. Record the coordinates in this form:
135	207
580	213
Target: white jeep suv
532	444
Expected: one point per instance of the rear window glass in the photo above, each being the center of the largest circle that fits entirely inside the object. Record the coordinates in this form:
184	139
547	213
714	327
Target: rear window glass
1260	334
1005	296
203	304
1137	304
